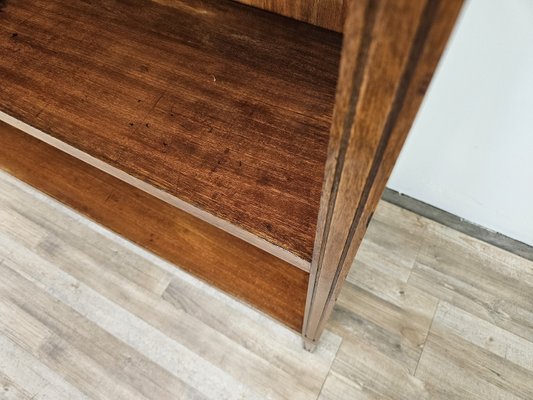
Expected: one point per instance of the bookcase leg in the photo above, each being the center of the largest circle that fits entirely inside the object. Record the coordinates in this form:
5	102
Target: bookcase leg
376	104
309	345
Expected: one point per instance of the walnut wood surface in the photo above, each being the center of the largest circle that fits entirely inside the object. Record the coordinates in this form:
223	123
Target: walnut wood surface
328	14
390	51
224	106
238	268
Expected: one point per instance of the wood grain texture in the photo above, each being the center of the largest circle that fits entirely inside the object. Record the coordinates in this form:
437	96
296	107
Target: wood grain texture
30	375
401	343
66	338
373	375
240	269
477	359
477	278
328	14
223	106
390	51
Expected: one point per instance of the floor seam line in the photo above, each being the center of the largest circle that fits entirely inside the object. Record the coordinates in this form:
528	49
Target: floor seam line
426	339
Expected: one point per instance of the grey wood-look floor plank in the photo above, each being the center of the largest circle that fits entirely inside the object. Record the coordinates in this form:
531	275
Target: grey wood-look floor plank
10	390
242	329
475	359
487	282
243	372
427	313
391	244
375	375
122	363
451	321
398	331
158	347
174	322
48	234
456	376
154	344
30	374
377	302
55	352
338	387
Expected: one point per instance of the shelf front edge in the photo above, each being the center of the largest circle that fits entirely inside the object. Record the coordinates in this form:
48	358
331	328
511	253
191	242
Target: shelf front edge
226	226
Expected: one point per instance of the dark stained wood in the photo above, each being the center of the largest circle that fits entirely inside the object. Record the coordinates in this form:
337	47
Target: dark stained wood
328	14
224	106
390	52
238	268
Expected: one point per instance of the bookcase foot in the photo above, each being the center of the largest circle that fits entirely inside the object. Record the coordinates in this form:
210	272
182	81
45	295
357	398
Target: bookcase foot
309	345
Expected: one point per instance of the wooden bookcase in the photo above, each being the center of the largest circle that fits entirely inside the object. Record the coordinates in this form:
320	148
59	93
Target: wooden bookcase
247	147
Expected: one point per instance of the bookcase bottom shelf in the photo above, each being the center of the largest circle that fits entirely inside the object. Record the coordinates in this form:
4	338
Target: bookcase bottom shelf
238	268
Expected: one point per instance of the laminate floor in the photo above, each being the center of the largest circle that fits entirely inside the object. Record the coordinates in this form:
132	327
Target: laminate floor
426	313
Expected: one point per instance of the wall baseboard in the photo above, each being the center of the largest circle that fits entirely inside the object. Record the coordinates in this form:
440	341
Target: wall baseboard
459	224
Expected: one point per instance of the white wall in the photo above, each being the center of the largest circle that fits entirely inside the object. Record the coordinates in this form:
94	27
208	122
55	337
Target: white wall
470	151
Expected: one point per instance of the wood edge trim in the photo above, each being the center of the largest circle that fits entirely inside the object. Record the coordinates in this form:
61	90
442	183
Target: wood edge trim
358	75
417	48
226	226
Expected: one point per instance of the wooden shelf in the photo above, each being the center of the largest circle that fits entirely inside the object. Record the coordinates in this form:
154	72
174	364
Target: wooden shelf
238	268
225	107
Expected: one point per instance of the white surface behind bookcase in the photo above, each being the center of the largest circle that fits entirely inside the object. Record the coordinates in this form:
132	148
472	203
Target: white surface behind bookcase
470	151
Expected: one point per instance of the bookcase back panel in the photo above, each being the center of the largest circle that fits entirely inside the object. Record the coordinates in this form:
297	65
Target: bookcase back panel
328	14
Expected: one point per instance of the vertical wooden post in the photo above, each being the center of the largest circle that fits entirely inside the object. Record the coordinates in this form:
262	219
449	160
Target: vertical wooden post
390	51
